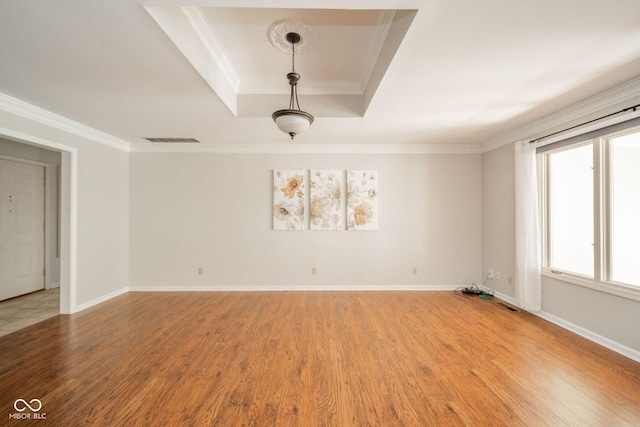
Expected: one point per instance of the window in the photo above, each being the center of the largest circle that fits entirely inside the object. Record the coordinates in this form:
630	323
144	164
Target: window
571	210
625	208
590	198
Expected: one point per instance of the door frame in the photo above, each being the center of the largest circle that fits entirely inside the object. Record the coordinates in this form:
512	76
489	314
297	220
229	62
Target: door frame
68	216
47	211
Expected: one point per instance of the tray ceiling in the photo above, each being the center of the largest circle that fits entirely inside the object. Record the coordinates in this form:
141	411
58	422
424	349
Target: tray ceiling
349	54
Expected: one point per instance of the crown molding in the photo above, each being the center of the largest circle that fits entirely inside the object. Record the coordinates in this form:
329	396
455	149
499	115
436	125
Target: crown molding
292	4
31	112
201	26
385	19
314	87
627	91
307	148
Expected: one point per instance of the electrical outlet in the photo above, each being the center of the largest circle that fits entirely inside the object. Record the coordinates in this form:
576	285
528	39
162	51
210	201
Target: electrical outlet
200	271
510	280
497	275
415	270
313	270
490	274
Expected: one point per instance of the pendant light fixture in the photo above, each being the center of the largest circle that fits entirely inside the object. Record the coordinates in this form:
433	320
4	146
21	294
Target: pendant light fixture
293	120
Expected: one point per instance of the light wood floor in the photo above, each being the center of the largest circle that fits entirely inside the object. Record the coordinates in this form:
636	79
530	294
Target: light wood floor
313	359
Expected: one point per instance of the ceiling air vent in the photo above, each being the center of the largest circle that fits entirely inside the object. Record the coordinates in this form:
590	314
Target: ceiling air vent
172	139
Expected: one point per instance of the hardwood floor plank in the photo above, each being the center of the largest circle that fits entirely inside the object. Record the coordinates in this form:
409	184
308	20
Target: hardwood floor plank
313	359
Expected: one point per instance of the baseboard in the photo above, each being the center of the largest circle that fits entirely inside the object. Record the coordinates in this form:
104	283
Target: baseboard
578	330
52	285
96	301
505	297
591	336
276	288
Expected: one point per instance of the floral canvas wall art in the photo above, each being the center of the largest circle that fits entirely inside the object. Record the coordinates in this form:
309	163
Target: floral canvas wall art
325	205
288	199
362	200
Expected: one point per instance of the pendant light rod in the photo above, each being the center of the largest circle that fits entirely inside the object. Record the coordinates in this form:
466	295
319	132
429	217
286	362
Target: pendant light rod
293	38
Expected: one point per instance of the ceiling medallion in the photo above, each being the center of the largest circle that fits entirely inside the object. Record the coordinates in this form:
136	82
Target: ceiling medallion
277	35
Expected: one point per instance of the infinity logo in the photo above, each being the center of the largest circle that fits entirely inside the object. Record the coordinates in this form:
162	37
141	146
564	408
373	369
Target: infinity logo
24	405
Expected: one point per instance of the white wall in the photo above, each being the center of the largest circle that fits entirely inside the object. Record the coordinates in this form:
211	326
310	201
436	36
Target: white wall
52	158
498	217
608	319
102	261
613	317
215	211
103	221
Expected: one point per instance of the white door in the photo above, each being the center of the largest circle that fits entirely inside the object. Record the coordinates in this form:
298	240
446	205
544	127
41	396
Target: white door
21	228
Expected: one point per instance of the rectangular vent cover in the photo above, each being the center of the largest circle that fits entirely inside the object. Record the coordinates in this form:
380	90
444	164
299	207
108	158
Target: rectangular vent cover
505	306
172	139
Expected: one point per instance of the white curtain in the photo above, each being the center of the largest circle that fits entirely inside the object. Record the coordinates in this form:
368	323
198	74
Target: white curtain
528	287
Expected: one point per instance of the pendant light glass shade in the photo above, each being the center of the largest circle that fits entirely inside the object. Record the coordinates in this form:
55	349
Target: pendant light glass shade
293	120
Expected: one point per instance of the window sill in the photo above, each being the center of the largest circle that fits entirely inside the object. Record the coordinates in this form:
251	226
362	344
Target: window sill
618	289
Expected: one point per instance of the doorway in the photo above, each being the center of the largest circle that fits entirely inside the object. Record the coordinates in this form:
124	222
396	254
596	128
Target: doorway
22	228
60	204
66	202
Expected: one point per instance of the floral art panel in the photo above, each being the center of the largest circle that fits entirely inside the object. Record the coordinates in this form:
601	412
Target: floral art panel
288	199
362	199
325	205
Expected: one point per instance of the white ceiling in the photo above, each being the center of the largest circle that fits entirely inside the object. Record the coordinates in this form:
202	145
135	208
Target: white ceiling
407	72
